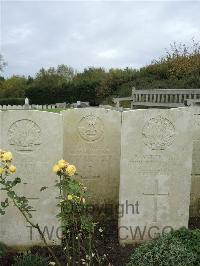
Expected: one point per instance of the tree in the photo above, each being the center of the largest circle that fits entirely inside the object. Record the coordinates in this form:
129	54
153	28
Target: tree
115	80
13	87
178	68
182	60
50	85
87	84
65	72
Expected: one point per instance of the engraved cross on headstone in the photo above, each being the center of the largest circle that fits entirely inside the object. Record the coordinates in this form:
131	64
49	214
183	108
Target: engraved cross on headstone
32	200
155	195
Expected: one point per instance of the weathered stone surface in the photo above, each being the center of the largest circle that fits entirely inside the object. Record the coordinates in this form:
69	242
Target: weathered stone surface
92	143
195	187
35	139
156	161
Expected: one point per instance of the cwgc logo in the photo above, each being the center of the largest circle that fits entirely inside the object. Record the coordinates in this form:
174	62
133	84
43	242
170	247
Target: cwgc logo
24	135
158	133
90	128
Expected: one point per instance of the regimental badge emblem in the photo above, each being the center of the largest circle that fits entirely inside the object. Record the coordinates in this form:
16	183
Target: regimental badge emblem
91	128
158	133
24	135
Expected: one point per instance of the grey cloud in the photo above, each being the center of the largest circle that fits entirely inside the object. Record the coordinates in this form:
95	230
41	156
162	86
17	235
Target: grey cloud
81	34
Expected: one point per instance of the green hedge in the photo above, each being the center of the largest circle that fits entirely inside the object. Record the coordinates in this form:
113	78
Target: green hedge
179	248
3	250
30	260
12	101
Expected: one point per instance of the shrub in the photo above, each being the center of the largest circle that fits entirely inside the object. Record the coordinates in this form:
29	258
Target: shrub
3	250
191	240
30	260
179	248
20	202
77	225
12	101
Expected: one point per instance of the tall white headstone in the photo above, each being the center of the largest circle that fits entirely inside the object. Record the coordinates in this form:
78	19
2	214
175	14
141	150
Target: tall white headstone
92	143
195	188
35	139
26	101
156	161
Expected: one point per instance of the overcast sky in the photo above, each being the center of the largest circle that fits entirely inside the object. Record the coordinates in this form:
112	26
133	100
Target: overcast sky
121	34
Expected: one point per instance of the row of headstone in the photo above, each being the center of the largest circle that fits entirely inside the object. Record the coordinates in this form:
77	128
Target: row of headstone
27	107
45	106
151	184
58	105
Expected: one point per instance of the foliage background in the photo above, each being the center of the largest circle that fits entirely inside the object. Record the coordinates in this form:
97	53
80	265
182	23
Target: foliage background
178	68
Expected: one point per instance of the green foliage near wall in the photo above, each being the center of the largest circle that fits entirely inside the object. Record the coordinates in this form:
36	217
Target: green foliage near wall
12	101
180	248
13	87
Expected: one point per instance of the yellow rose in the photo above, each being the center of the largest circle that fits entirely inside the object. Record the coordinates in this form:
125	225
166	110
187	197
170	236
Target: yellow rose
69	197
61	163
71	170
12	169
1	170
56	168
7	156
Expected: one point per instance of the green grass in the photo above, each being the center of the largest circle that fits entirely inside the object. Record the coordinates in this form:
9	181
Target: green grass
126	104
57	110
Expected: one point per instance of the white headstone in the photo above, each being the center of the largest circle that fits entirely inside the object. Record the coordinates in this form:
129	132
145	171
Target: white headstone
26	101
156	152
92	143
35	147
195	188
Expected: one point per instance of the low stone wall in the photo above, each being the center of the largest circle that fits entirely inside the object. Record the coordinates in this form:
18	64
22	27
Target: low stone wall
27	107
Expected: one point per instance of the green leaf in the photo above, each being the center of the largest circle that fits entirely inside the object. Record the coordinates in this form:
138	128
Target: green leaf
2	204
29	215
2	212
5	203
16	181
43	188
11	194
